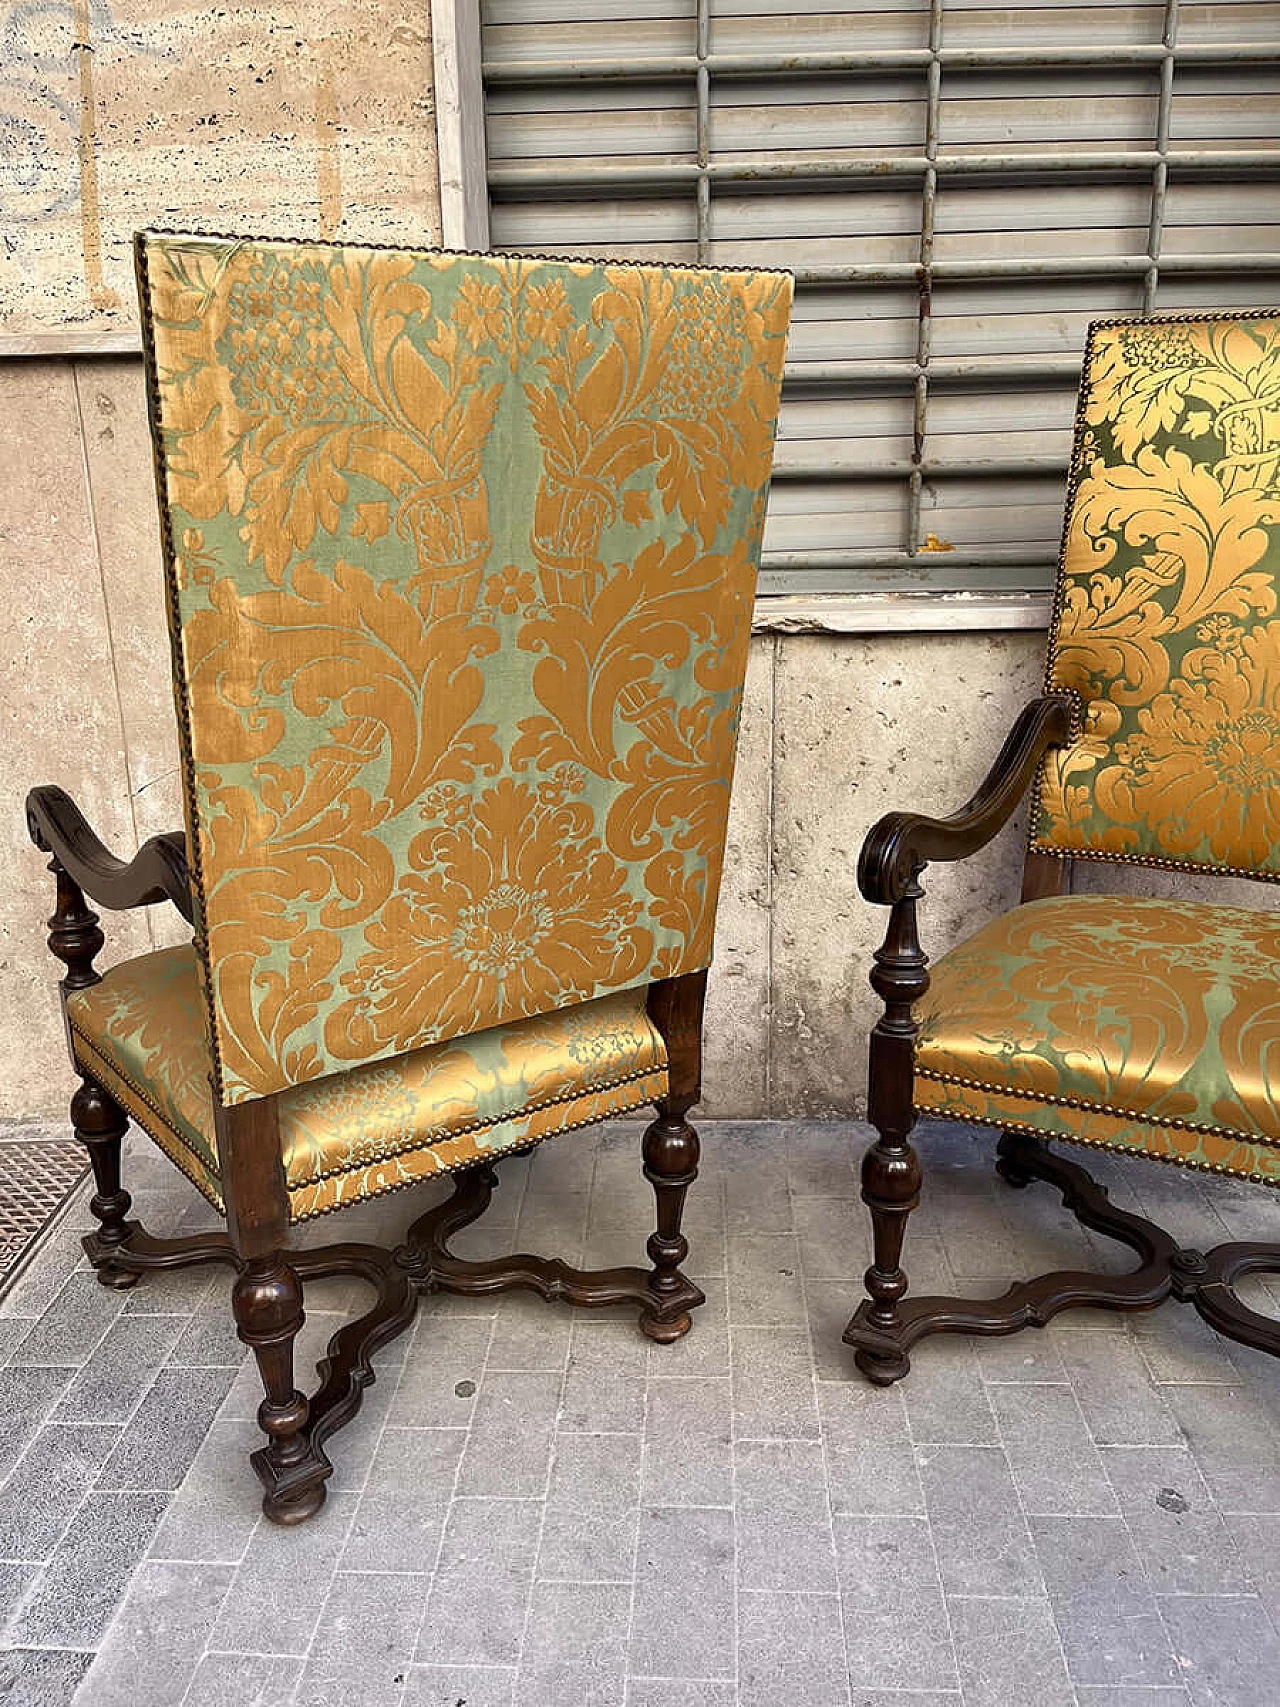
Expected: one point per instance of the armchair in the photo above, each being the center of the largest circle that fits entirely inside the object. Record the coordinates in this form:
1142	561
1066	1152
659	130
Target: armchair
460	556
1142	1026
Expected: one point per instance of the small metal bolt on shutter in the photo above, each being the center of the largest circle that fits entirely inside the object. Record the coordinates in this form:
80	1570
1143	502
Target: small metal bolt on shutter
959	189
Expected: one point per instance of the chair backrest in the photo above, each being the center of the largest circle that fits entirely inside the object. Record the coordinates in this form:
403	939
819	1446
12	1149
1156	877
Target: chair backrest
1165	621
461	554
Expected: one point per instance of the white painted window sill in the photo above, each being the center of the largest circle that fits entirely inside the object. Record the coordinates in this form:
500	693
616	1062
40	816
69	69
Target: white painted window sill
897	613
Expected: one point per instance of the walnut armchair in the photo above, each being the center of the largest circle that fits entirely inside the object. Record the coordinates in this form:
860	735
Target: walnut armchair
460	555
1143	1026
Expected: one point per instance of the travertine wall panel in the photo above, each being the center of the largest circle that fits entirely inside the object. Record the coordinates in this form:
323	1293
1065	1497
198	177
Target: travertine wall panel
290	120
59	712
736	1048
864	725
117	447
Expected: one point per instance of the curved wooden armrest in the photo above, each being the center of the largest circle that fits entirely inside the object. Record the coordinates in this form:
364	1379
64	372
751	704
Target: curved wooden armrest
903	842
157	872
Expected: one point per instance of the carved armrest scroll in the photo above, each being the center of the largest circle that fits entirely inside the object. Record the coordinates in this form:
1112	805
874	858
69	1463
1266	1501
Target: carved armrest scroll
903	843
157	872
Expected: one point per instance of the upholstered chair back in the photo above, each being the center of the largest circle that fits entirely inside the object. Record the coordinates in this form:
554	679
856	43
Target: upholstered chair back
1166	623
461	554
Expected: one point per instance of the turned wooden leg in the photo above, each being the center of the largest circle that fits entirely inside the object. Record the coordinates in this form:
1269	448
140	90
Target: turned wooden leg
670	1165
100	1125
891	1169
891	1177
267	1300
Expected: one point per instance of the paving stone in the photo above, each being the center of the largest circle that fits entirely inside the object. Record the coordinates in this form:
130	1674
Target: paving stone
45	1490
823	1158
442	1373
1179	1534
791	1648
365	1639
404	1502
1106	1614
947	1401
529	1333
764	1279
446	1686
477	1604
756	1194
165	1432
783	1517
981	1535
215	1512
265	1680
1121	1404
871	1462
508	1450
1120	1695
1008	1653
117	1375
36	1677
682	1620
897	1632
1055	1463
575	1646
155	1641
1235	1439
605	1379
589	1534
772	1384
704	1350
273	1605
26	1398
73	1600
681	1692
1020	1357
1226	1647
1257	1540
688	1442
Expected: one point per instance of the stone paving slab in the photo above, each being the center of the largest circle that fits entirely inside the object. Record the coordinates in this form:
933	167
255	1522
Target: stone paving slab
538	1508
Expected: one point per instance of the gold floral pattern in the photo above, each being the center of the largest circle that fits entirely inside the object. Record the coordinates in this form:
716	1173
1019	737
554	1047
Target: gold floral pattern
1166	623
1139	1024
141	1033
462	554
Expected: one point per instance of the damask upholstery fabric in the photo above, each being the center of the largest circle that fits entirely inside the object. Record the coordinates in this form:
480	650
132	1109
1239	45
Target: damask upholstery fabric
1166	622
141	1033
1137	1024
462	553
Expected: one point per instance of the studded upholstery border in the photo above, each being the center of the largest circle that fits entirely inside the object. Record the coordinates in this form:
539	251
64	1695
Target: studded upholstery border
1137	1024
1167	624
141	1033
462	553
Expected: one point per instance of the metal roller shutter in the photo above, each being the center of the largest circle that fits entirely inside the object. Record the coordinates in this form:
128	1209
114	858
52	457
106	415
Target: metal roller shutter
959	188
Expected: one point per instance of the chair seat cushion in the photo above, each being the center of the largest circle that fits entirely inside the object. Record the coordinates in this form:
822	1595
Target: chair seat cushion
141	1034
1133	1024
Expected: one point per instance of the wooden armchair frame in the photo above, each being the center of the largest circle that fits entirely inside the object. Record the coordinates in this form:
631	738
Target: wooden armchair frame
888	1323
267	1294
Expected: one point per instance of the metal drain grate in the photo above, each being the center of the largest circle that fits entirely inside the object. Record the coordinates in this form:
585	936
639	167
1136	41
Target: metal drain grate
36	1178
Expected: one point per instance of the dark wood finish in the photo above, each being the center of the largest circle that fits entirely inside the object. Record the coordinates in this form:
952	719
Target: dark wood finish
267	1302
1044	875
899	847
888	1323
1203	1279
74	937
157	872
671	1152
100	1124
427	1260
891	1168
